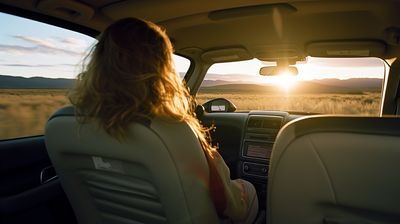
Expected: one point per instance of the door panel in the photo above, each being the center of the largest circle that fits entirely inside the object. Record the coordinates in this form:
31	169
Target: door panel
28	191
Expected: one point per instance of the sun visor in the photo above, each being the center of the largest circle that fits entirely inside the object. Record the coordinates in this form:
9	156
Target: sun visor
226	55
251	11
274	54
71	10
346	49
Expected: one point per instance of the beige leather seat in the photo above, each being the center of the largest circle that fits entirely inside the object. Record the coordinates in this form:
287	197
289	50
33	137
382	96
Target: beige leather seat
336	170
159	175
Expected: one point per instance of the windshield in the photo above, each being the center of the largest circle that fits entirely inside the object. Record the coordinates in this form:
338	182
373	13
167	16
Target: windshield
323	85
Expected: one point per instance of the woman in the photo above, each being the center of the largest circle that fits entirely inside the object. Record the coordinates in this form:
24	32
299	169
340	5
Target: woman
130	77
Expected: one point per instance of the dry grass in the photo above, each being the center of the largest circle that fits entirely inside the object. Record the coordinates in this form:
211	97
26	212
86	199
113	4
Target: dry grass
360	104
24	112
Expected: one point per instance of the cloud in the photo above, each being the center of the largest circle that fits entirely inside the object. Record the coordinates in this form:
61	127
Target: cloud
45	42
36	49
74	42
37	66
15	49
46	46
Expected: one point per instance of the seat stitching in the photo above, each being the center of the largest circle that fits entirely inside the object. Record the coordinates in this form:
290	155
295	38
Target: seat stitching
332	189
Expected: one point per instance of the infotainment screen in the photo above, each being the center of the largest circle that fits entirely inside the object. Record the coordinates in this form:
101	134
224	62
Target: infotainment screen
258	150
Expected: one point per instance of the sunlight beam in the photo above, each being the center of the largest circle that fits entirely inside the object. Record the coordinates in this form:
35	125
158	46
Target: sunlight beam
285	81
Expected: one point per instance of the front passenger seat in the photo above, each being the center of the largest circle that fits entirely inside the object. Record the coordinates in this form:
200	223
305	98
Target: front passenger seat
336	170
158	175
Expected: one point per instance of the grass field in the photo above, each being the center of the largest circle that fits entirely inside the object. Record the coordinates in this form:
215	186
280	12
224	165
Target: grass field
360	104
24	112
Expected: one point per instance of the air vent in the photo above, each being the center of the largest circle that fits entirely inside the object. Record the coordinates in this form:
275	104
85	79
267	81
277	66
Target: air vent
262	137
264	122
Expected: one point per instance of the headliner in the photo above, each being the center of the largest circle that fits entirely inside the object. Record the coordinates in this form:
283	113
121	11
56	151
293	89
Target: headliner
265	29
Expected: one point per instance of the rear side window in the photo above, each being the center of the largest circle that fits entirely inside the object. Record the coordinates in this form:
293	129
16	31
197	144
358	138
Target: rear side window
38	64
182	65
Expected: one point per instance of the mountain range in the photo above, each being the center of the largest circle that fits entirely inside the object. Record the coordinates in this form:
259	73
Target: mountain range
354	85
14	82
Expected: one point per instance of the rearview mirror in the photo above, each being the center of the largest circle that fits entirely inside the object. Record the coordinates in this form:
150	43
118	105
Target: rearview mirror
278	70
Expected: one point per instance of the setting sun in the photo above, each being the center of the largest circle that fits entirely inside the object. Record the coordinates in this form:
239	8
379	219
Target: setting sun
286	81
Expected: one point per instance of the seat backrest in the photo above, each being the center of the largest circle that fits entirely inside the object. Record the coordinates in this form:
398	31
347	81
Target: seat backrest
327	169
159	174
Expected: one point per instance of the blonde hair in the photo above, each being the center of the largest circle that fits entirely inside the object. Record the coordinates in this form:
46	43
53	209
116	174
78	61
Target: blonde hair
130	77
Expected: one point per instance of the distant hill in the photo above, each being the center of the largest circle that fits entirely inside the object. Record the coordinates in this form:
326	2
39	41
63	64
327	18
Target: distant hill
207	83
233	88
212	86
301	87
13	82
359	83
314	86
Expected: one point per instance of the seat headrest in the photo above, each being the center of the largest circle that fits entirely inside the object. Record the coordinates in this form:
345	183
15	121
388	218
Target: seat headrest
362	125
69	111
63	112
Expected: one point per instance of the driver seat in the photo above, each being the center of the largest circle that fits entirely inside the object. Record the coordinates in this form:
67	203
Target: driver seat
158	175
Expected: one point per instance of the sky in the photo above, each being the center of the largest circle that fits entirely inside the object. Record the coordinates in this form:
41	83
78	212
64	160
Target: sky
29	48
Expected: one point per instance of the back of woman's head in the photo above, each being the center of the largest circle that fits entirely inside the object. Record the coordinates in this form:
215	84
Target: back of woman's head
129	77
132	49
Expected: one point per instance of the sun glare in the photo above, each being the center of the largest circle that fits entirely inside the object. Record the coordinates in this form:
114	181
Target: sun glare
286	81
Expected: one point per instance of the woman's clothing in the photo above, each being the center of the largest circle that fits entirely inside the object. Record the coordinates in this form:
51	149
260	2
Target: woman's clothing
238	201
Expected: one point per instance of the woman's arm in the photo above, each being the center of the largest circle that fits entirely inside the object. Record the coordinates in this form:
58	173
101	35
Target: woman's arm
240	195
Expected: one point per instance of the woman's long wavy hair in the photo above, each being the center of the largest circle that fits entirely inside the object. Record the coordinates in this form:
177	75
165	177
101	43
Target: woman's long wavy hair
130	77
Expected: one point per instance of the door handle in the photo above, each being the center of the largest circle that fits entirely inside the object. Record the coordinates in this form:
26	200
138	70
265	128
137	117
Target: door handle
48	174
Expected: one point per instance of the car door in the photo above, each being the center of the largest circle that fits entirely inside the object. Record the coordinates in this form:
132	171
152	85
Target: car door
30	191
37	62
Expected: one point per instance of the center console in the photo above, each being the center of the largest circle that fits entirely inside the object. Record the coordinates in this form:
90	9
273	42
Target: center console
258	138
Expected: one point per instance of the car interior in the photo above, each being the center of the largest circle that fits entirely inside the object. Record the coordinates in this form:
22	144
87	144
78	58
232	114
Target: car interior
306	166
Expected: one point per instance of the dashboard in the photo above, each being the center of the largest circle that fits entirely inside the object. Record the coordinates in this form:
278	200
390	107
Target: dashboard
245	141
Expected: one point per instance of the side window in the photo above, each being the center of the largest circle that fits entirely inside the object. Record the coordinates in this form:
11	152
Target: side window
182	65
37	65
